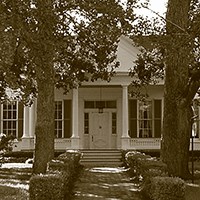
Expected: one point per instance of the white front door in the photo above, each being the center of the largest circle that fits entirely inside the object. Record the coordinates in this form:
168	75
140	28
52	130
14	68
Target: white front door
99	131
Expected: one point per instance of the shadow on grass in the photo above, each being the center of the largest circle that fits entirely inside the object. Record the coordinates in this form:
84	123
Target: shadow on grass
9	193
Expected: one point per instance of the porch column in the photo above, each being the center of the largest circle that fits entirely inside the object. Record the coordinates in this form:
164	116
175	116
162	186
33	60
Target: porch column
26	122
125	137
25	142
75	134
32	119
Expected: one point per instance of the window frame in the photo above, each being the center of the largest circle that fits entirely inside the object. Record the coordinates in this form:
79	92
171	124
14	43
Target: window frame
134	119
58	120
16	120
143	120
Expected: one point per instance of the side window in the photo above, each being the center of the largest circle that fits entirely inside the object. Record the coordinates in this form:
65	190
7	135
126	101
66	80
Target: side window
12	119
58	119
86	123
114	123
145	118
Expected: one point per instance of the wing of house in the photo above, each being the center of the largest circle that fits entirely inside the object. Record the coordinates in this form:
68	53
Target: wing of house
97	115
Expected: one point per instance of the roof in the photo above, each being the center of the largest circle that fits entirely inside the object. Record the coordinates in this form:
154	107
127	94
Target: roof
126	54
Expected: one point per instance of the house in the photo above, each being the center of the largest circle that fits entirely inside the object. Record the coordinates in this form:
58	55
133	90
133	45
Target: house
97	115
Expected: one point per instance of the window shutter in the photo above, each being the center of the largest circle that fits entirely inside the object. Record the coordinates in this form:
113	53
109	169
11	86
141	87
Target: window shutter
1	123
133	118
157	117
20	119
67	118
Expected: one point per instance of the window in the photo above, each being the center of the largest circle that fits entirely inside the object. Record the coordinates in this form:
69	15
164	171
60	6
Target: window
196	121
102	104
114	123
63	119
145	118
86	123
58	119
12	119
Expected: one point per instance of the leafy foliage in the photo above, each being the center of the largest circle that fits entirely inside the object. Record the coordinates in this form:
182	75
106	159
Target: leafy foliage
6	143
155	39
82	35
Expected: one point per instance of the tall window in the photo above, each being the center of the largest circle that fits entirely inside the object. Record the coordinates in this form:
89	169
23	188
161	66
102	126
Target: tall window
145	118
63	119
114	123
196	121
86	123
58	119
12	119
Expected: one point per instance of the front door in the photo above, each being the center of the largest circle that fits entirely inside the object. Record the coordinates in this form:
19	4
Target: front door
99	131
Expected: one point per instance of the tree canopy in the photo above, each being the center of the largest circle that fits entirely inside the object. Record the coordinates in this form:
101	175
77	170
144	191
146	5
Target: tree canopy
83	35
173	54
58	43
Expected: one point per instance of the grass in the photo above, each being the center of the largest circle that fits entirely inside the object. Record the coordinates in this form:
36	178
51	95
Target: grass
14	183
11	193
193	189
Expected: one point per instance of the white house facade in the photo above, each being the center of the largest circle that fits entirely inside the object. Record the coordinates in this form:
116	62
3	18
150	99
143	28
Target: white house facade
97	115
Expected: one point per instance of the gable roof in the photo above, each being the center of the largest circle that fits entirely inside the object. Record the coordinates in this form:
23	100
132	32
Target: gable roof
126	54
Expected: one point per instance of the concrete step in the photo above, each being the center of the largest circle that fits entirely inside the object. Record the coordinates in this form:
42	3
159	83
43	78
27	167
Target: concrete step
101	157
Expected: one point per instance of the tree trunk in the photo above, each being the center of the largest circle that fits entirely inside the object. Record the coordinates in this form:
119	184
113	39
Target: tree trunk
177	115
44	147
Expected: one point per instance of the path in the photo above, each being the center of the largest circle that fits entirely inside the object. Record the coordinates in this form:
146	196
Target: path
106	184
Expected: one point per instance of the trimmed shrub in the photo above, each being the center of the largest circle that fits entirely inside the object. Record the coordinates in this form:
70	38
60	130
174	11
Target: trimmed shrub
145	166
58	165
58	182
48	186
167	188
156	184
70	155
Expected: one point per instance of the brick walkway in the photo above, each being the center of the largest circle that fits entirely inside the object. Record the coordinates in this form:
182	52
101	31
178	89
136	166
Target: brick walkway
106	184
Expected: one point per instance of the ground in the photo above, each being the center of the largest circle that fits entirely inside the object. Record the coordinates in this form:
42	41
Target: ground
105	183
93	183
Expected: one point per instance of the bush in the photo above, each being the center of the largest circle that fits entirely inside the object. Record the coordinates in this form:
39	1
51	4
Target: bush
144	165
48	186
167	188
62	173
58	165
155	180
6	143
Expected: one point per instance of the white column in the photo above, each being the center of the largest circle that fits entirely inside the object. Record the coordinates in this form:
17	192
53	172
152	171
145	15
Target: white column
26	122
27	142
32	119
75	125
125	111
125	137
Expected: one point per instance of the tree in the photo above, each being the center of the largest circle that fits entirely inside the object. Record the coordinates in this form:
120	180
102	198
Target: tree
46	44
178	47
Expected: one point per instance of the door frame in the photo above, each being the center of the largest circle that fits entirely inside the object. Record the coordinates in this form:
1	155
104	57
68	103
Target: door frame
91	134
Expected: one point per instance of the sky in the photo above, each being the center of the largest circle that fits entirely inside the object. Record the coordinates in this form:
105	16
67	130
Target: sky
158	6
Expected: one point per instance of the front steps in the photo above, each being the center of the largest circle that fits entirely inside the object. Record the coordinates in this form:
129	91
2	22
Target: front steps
101	157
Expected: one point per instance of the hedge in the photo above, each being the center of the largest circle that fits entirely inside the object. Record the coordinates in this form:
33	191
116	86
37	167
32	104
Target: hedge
167	188
155	181
57	183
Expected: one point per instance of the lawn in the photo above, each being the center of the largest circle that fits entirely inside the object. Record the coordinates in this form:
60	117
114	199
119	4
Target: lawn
11	193
14	181
193	189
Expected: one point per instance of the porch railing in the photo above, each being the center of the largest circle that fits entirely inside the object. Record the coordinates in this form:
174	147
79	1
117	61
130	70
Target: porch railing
62	143
155	143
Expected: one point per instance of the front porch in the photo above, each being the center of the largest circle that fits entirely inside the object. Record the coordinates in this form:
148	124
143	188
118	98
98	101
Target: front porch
132	144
